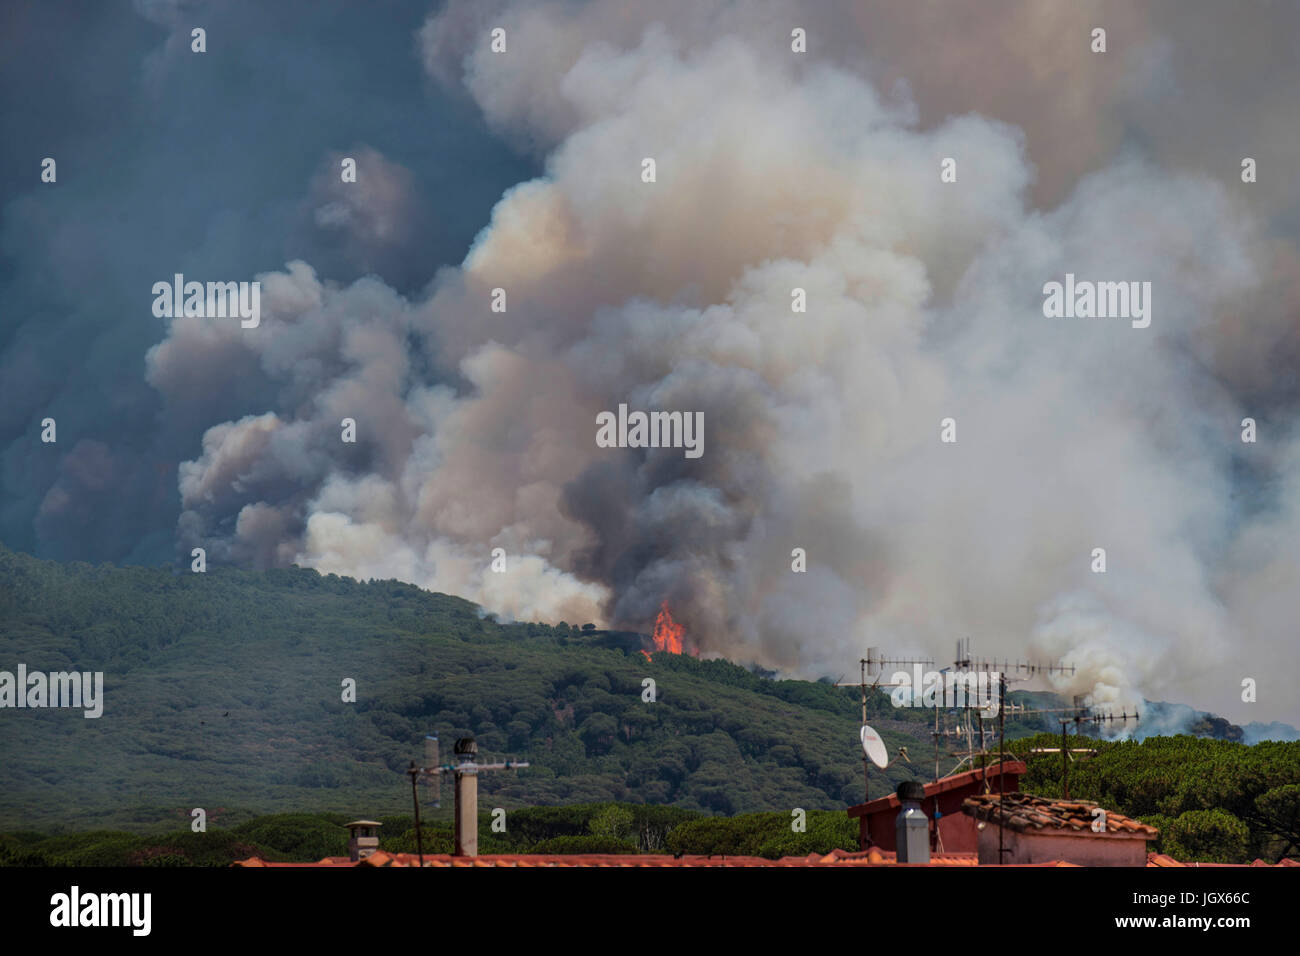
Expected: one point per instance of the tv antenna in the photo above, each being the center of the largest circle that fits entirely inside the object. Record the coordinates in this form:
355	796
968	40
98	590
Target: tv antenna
1079	715
466	771
871	666
1007	671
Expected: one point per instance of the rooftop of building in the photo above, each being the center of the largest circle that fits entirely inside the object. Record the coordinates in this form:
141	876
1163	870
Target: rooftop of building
1026	812
872	857
1011	769
836	858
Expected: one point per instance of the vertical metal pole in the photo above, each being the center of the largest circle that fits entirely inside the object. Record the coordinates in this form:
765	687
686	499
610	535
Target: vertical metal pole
1002	756
1065	763
970	738
415	799
936	743
866	764
433	785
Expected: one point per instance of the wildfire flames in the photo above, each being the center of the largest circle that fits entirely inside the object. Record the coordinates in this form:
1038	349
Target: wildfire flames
668	633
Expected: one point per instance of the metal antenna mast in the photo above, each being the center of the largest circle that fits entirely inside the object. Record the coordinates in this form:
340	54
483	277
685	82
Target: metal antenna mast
1007	671
1078	717
871	665
466	771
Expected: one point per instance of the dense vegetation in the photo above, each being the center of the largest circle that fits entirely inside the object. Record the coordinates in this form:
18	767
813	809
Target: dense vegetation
1215	801
223	691
590	828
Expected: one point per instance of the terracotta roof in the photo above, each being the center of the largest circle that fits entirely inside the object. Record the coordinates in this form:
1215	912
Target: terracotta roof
840	858
1164	859
327	861
1012	768
1025	811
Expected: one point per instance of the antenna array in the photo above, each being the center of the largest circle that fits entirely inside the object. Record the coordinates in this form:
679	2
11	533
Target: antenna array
1007	671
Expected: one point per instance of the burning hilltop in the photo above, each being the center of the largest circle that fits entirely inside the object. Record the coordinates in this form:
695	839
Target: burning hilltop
668	634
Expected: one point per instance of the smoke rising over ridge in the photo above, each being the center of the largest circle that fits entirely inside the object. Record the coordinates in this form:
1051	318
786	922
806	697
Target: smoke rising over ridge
778	171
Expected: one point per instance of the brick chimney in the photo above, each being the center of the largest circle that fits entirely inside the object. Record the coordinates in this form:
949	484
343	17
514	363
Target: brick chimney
364	839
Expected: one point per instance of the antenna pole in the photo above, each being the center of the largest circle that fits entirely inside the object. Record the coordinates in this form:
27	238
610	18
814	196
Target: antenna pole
936	743
415	799
866	772
1065	762
970	740
466	771
1002	757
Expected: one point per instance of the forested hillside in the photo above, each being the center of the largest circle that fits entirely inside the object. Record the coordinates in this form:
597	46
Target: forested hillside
223	691
582	828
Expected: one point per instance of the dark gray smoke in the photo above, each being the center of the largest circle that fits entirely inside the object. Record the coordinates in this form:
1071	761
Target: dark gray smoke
775	171
211	165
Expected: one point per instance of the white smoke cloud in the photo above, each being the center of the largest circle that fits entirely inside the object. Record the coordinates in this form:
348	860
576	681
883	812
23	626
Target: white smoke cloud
476	429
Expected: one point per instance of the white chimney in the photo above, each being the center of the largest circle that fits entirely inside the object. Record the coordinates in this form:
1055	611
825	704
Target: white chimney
466	797
911	827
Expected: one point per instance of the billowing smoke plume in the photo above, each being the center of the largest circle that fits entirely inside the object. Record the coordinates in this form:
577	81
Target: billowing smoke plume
774	172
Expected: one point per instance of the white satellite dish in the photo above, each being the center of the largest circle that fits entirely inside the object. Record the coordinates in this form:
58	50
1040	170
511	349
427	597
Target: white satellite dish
874	747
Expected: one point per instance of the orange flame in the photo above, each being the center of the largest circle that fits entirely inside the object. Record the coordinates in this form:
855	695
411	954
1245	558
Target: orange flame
668	633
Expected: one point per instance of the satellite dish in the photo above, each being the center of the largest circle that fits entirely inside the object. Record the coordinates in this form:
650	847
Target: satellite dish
874	747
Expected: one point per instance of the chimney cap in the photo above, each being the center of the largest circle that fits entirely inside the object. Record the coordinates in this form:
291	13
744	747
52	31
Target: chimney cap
362	823
911	790
465	747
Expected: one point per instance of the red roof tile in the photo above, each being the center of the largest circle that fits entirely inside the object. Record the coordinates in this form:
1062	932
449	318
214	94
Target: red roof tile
836	858
840	858
1025	811
1164	859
